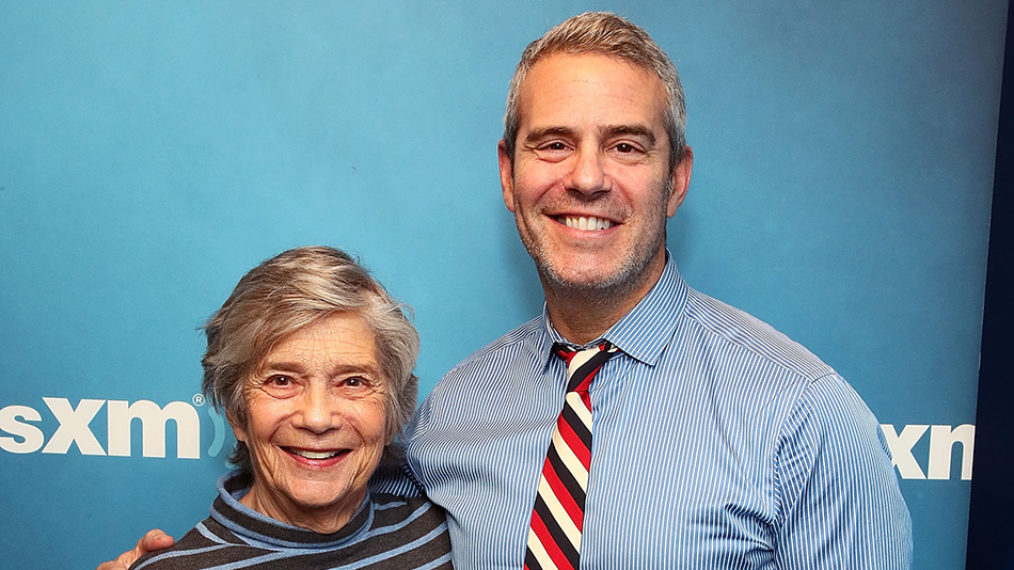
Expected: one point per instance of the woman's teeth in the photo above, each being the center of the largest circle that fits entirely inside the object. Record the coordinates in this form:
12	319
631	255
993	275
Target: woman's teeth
314	454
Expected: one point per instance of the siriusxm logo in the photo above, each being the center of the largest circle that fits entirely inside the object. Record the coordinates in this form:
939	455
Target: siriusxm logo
941	448
20	432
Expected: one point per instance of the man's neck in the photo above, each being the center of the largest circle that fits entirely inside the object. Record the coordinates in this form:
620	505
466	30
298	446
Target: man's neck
583	315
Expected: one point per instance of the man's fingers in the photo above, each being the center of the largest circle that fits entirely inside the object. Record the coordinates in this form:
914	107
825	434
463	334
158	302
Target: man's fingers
123	561
154	539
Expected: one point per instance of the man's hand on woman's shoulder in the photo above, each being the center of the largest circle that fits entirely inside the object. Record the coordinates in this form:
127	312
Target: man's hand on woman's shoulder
152	540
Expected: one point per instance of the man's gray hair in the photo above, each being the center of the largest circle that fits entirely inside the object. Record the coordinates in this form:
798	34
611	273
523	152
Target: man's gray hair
287	293
607	34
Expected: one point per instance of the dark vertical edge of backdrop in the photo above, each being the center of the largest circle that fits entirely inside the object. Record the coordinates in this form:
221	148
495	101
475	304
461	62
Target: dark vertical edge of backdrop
991	524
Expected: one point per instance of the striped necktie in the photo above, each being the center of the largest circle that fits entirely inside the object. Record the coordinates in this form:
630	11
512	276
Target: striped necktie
554	539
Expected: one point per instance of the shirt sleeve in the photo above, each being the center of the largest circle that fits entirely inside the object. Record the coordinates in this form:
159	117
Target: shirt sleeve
394	474
838	504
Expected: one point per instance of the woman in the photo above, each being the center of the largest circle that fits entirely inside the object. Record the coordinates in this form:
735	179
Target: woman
312	362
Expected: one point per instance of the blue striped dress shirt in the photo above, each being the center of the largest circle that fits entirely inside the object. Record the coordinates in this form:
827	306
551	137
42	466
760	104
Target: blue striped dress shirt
718	443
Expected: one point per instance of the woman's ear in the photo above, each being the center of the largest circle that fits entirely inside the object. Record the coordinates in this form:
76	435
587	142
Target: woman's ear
237	429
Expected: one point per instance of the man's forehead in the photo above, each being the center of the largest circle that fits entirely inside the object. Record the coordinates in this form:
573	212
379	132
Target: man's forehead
590	87
585	64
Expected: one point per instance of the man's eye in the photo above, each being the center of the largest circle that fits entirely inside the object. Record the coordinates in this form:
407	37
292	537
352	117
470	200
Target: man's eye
625	148
355	382
554	146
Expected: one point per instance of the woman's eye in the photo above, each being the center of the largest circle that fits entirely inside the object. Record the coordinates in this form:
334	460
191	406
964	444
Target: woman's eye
280	384
359	385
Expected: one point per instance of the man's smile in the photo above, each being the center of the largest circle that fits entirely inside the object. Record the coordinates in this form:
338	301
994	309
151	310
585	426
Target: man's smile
585	222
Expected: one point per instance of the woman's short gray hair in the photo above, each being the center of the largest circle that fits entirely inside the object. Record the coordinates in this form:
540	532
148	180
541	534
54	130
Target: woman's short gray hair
607	34
288	292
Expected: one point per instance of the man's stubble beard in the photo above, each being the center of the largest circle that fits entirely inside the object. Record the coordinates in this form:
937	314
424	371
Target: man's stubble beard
630	276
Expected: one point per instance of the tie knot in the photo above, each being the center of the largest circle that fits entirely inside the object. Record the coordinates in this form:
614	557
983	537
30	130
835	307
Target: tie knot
583	363
567	351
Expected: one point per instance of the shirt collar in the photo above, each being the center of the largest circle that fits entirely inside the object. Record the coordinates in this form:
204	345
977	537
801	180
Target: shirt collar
242	520
645	330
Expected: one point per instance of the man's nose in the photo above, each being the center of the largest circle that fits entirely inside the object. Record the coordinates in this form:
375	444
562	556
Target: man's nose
589	175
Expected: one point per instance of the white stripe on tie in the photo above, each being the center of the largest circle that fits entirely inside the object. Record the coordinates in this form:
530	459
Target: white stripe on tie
535	545
570	460
582	411
560	514
579	359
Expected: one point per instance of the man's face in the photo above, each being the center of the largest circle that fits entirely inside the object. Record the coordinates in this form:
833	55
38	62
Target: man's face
589	184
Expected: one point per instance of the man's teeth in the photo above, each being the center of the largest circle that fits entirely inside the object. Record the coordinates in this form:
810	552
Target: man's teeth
315	454
587	223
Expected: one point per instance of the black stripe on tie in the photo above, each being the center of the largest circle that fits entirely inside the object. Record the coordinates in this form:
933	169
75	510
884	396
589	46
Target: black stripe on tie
566	477
559	537
589	368
582	372
531	562
575	423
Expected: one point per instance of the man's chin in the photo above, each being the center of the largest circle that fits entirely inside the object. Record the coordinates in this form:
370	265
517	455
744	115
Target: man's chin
597	282
610	280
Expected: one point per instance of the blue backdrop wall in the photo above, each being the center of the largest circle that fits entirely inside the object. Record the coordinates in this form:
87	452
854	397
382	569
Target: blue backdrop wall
152	152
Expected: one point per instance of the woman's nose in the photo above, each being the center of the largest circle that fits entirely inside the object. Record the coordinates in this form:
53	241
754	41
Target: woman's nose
317	411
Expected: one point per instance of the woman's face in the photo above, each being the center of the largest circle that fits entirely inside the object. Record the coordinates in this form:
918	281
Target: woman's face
315	423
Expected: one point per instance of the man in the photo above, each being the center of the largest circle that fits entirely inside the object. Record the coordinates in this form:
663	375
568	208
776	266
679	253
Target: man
716	442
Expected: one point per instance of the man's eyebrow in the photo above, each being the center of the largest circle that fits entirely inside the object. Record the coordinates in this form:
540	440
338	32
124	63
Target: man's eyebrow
629	130
605	132
546	132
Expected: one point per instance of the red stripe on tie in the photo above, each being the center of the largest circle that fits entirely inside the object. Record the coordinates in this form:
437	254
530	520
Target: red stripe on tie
546	539
563	495
574	442
566	355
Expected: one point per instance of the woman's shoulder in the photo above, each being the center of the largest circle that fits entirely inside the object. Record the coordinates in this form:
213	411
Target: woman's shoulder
413	530
404	533
390	509
186	552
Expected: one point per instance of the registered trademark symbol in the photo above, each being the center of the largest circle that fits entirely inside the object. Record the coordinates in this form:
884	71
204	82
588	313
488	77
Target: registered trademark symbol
198	399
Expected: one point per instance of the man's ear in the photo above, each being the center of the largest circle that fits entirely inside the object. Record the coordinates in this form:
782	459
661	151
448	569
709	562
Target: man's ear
680	181
506	174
